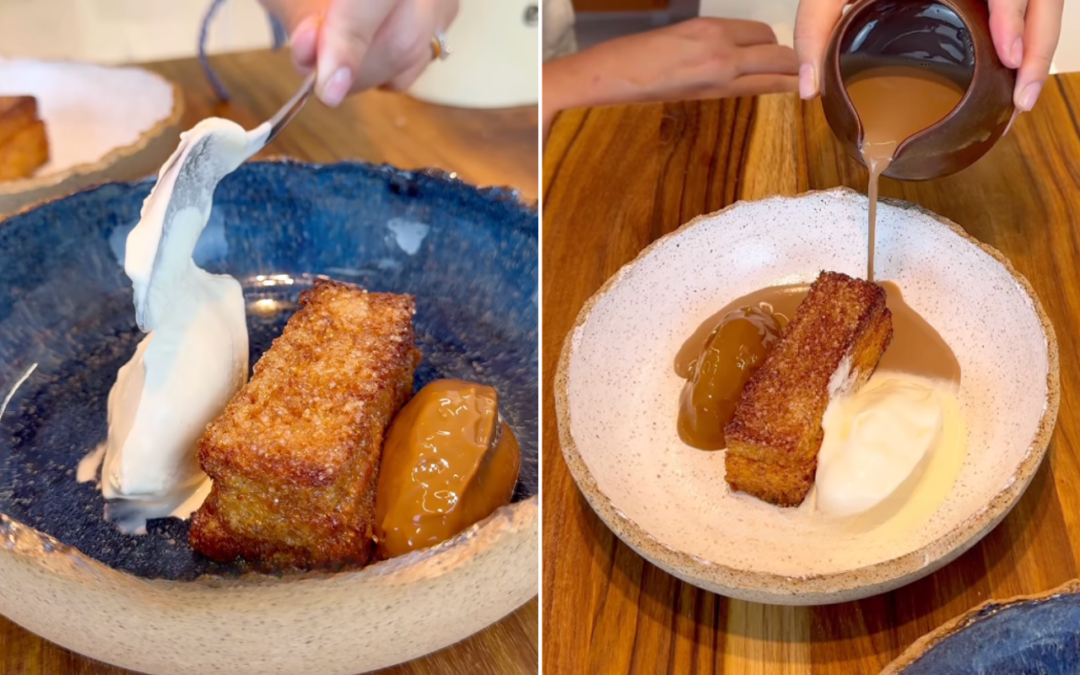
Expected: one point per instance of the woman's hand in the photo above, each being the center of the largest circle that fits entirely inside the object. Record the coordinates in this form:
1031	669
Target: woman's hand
362	44
700	58
1025	35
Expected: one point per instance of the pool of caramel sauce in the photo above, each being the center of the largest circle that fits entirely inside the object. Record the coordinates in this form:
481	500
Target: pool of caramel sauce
916	348
895	102
782	301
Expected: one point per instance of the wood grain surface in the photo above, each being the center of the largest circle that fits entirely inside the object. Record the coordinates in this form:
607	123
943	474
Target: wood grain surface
484	147
616	179
487	147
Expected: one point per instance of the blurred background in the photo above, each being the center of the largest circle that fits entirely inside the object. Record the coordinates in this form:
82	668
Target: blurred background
493	41
599	20
125	31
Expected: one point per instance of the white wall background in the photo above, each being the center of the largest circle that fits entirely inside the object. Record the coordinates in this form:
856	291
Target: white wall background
495	51
780	14
119	31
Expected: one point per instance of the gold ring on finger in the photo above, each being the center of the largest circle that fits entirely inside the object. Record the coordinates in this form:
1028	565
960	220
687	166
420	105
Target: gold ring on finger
439	50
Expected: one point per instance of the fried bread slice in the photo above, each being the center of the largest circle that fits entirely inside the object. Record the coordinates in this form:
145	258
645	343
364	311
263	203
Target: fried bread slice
830	348
294	457
24	145
772	483
16	113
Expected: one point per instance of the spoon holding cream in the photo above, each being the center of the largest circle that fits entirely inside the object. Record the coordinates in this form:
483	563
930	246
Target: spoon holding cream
195	354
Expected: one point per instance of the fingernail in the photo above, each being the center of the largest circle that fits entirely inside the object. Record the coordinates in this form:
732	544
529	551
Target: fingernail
303	41
1017	52
335	89
807	81
1012	120
1028	96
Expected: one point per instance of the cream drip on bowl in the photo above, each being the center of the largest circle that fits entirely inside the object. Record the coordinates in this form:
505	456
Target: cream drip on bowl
194	357
882	445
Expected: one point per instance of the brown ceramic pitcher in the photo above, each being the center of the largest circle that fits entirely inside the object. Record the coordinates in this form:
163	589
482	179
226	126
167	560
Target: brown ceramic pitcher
951	36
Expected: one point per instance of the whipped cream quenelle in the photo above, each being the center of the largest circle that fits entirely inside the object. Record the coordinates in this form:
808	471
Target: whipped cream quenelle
883	440
195	355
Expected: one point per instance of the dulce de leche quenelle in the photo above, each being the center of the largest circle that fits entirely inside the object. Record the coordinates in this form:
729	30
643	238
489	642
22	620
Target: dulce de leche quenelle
448	461
718	369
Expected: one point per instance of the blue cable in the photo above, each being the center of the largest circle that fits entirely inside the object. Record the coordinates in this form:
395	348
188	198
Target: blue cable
280	37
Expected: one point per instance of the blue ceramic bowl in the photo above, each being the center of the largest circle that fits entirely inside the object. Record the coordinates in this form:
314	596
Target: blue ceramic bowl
1038	635
468	255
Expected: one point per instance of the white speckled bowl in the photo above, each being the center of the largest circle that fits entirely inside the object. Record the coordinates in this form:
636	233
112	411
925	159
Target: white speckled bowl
103	124
617	395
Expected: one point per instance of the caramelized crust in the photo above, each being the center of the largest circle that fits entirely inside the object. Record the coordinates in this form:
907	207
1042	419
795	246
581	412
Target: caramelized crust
295	455
780	485
23	143
774	437
16	113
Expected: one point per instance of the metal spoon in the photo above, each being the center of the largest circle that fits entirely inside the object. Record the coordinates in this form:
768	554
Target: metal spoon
291	108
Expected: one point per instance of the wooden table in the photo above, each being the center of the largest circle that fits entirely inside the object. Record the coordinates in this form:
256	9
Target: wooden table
483	147
616	179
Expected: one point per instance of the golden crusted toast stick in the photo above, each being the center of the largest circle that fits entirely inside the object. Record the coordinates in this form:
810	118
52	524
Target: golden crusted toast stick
831	347
295	455
24	145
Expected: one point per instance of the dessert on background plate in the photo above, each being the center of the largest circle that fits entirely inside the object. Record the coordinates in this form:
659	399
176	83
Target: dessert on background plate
97	124
24	146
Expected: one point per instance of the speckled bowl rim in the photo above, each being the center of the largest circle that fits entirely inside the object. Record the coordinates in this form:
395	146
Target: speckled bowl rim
519	516
495	193
981	612
811	589
117	154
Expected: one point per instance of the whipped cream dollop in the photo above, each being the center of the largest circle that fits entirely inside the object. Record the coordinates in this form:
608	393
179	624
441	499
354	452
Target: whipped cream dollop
194	357
879	441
